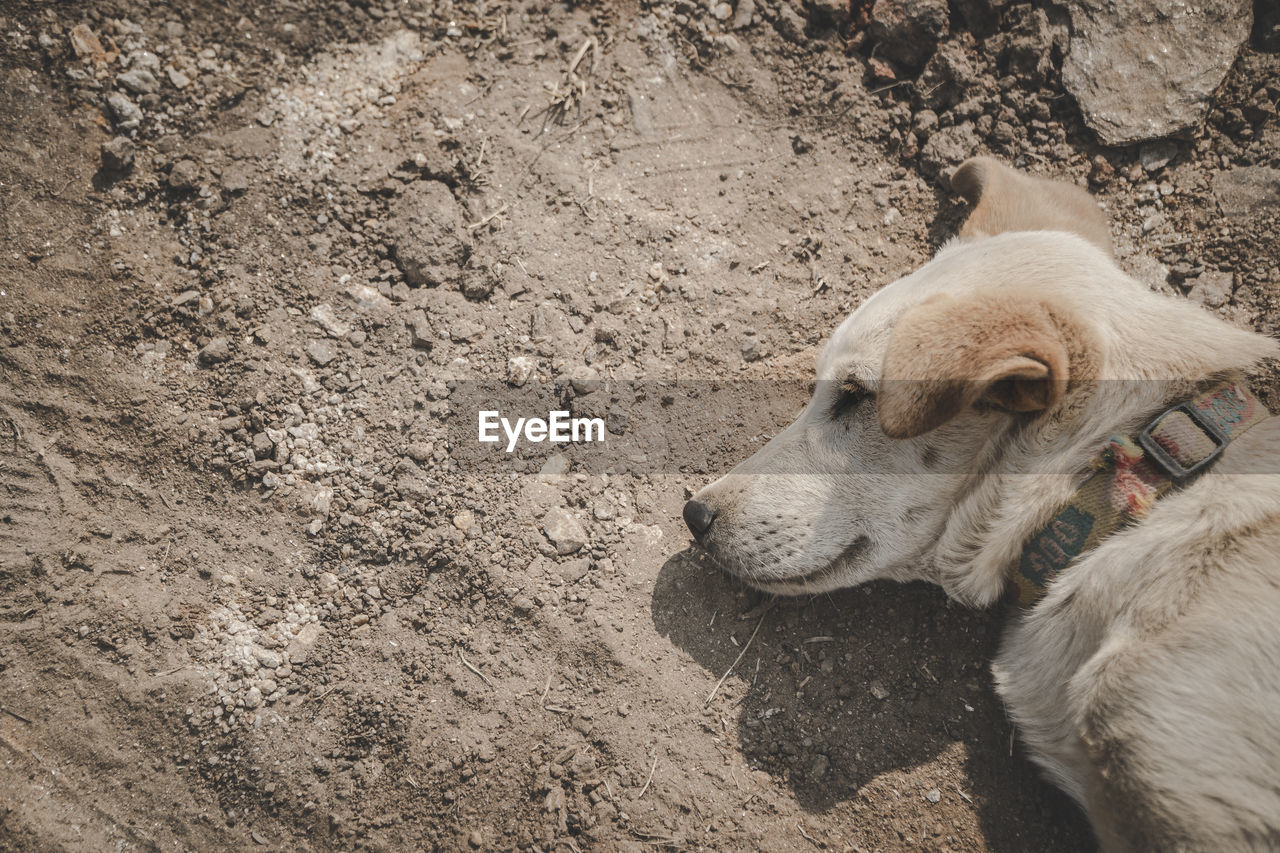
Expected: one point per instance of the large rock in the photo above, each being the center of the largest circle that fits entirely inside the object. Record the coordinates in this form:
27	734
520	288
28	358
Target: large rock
1145	69
428	235
907	30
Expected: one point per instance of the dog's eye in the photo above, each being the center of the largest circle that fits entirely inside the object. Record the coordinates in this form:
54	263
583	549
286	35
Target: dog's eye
848	396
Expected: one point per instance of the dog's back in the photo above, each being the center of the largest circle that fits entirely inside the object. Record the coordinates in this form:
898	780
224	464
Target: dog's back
1151	675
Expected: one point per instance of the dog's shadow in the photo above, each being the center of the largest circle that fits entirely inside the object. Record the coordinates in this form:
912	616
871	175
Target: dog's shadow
844	691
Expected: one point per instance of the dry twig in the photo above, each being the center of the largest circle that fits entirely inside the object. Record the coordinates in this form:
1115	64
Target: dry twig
468	665
649	781
736	660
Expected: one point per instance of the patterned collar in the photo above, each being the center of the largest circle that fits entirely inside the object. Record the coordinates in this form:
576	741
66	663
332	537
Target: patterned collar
1130	475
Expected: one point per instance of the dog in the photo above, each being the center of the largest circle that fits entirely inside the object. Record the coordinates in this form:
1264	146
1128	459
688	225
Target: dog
967	420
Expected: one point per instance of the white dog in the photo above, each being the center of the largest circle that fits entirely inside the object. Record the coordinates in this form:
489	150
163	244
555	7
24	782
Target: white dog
997	416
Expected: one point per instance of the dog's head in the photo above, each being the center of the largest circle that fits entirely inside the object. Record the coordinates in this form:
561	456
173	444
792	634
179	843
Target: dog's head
925	392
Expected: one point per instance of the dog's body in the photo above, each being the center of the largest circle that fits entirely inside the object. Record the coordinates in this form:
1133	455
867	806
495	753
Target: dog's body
955	413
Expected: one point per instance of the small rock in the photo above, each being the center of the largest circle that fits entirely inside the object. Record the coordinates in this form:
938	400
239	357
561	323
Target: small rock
907	30
519	369
476	839
323	316
478	283
184	175
1154	156
464	520
428	237
252	698
145	60
584	379
421	335
564	531
328	583
236	179
945	77
262	445
118	154
420	451
1211	289
947	148
1029	41
268	659
789	24
178	79
466	331
321	352
933	796
139	81
878	690
215	351
754	349
126	113
85	42
573	571
742	13
1247	191
304	642
556	465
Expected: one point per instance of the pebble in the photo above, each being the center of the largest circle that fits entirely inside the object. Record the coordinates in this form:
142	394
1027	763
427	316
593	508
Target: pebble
1154	156
217	350
466	331
84	41
268	658
584	379
323	316
1211	289
934	795
420	334
303	643
126	113
144	60
184	175
557	464
464	520
139	81
177	78
118	155
519	369
564	531
321	352
878	690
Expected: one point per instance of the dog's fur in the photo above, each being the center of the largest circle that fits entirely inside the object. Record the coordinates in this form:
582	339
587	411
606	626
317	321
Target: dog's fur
1146	682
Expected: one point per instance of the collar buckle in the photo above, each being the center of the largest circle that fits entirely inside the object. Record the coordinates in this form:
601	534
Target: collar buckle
1175	469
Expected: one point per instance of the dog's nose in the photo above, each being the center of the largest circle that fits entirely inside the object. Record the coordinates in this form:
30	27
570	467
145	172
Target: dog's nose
699	517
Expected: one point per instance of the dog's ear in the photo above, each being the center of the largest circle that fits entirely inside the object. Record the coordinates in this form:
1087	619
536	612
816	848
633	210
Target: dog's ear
1000	347
1005	199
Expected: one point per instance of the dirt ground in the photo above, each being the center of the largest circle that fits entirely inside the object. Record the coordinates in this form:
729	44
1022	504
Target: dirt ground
252	591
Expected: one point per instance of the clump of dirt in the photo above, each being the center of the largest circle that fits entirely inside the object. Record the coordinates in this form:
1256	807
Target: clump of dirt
259	259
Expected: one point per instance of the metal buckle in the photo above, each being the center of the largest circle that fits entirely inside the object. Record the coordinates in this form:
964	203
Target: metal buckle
1171	465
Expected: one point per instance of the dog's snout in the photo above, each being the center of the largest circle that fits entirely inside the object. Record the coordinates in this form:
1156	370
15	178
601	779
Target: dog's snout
699	517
